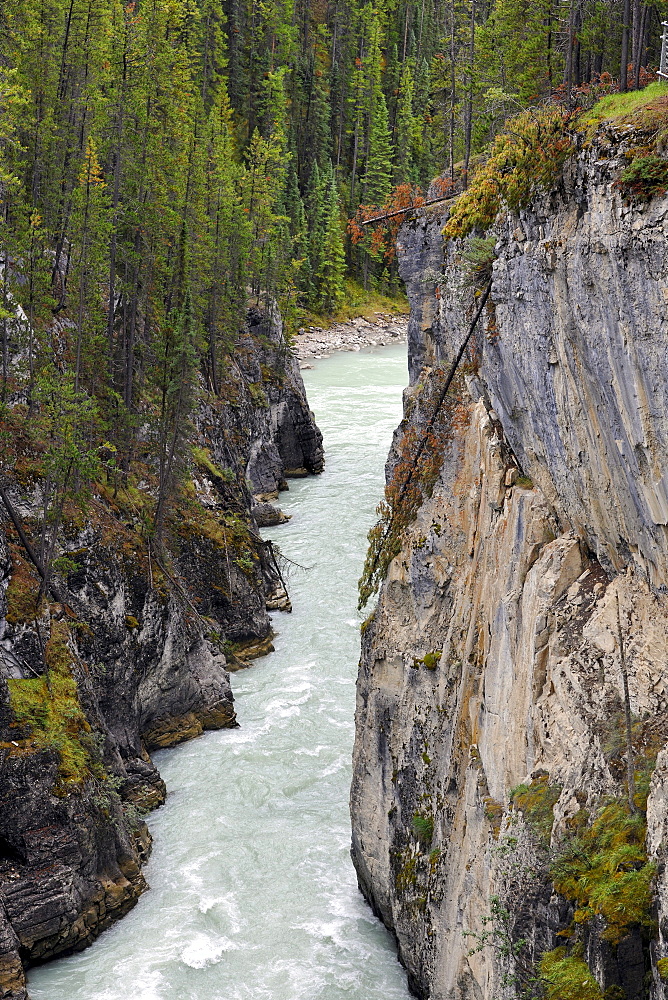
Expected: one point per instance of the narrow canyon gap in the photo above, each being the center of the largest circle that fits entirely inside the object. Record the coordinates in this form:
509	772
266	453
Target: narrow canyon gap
252	891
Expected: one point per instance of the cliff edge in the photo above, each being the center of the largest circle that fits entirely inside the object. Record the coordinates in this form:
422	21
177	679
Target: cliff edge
513	671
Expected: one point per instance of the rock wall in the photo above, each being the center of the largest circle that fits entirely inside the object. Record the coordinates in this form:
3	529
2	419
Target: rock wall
268	421
493	656
134	657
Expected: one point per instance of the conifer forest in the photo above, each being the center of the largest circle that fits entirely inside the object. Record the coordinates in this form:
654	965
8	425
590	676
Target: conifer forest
162	164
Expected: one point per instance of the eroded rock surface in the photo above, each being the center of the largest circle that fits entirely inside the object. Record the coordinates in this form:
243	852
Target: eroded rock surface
493	657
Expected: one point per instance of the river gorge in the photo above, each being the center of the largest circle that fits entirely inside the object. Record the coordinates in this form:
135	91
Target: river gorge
252	890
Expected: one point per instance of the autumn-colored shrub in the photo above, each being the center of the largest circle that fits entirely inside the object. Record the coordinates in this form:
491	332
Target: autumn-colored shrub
567	977
525	157
605	871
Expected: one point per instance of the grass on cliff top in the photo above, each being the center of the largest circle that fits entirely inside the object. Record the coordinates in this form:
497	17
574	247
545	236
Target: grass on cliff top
615	106
49	708
358	301
528	153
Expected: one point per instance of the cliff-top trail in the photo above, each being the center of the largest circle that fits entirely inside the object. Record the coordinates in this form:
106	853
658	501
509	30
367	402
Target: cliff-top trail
509	793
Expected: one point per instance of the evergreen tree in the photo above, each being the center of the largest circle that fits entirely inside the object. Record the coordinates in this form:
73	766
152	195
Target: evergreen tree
378	174
89	237
316	222
332	265
407	131
175	369
158	153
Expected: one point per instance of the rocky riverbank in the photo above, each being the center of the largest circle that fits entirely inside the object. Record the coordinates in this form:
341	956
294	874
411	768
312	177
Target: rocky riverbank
353	335
136	654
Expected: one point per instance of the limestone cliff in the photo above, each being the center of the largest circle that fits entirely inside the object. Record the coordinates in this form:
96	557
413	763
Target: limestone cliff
134	656
490	727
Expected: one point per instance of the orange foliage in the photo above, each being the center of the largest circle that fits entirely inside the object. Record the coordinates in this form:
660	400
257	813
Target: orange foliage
384	221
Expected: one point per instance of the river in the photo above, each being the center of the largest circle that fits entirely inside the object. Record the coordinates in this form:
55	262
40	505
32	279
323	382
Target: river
253	894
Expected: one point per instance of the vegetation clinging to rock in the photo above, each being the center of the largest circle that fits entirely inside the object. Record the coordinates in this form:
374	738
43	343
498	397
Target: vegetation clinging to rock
48	709
567	977
536	801
524	157
605	871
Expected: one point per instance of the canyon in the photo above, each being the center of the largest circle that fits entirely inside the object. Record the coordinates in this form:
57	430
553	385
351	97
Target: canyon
510	770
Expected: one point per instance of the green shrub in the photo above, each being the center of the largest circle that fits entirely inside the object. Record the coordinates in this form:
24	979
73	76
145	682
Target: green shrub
567	977
536	802
476	259
246	564
605	871
645	177
368	621
423	826
258	395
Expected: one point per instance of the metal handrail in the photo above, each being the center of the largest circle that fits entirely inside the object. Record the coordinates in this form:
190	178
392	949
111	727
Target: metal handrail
663	66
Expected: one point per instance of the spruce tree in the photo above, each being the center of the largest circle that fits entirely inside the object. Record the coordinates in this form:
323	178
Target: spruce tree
316	219
407	130
175	370
378	174
332	267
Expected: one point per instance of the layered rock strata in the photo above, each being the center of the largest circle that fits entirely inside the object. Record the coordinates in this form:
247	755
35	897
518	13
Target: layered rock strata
134	657
534	570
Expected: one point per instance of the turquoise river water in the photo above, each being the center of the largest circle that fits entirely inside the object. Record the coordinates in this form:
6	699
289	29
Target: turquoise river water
253	894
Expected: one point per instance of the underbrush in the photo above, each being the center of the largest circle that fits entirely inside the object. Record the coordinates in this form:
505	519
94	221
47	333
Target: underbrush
358	302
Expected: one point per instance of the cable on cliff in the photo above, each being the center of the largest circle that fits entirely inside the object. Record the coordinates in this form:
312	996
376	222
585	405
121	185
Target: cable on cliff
370	570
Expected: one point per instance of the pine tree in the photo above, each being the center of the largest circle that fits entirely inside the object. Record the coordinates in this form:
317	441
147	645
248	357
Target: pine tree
89	237
228	238
407	131
175	369
316	222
